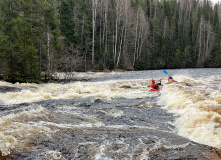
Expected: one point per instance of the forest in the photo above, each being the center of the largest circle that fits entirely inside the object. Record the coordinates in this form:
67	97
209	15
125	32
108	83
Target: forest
39	38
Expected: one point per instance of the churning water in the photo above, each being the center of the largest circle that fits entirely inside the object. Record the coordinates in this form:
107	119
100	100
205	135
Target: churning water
106	116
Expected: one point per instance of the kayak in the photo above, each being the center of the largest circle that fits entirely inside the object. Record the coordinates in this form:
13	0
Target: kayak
154	90
181	83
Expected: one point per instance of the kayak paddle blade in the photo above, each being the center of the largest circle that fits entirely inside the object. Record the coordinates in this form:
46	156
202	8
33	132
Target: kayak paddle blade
165	72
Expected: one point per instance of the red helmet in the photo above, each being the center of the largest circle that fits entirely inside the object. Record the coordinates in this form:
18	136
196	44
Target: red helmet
153	81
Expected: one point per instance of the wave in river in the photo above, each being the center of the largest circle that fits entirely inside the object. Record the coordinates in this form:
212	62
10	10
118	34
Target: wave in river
108	89
109	118
198	107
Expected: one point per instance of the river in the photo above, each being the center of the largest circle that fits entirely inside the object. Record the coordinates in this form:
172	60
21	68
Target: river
113	116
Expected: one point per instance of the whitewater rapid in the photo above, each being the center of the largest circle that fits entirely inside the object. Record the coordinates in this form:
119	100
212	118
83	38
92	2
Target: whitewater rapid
37	118
198	107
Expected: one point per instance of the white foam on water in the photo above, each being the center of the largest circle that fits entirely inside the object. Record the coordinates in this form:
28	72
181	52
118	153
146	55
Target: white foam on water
130	89
100	155
198	108
54	155
16	130
158	146
112	112
7	143
73	75
3	83
116	113
96	123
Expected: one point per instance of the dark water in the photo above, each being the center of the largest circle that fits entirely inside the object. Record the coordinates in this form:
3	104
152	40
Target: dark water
110	116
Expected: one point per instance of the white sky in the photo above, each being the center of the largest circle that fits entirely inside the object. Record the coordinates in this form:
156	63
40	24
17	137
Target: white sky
215	1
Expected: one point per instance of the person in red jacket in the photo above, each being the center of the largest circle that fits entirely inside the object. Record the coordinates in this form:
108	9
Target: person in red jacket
155	85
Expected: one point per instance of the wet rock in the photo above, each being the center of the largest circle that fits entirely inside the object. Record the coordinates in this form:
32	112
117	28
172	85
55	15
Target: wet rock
144	104
126	132
80	79
4	89
98	101
125	86
84	104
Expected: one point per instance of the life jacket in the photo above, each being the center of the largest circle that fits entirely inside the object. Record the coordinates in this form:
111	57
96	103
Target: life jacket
154	86
170	80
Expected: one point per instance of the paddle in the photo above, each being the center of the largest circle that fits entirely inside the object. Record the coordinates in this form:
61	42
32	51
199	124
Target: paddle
158	80
166	72
168	75
163	78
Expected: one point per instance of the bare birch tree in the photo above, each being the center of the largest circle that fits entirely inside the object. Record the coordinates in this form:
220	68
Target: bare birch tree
219	16
210	40
143	32
201	40
94	15
124	16
128	38
136	32
102	24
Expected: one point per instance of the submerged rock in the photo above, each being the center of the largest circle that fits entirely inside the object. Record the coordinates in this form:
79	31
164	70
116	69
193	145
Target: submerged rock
4	89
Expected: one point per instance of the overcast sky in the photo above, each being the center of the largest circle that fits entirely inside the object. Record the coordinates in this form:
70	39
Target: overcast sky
215	1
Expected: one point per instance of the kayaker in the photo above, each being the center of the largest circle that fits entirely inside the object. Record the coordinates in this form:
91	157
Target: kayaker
170	79
155	85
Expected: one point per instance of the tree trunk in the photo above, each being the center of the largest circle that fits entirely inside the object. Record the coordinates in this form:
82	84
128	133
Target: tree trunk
94	14
135	44
48	54
200	42
40	41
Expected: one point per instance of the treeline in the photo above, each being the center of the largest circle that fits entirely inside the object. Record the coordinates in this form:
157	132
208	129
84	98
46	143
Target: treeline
41	37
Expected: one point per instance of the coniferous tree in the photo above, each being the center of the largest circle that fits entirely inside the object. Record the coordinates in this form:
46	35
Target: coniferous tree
40	37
